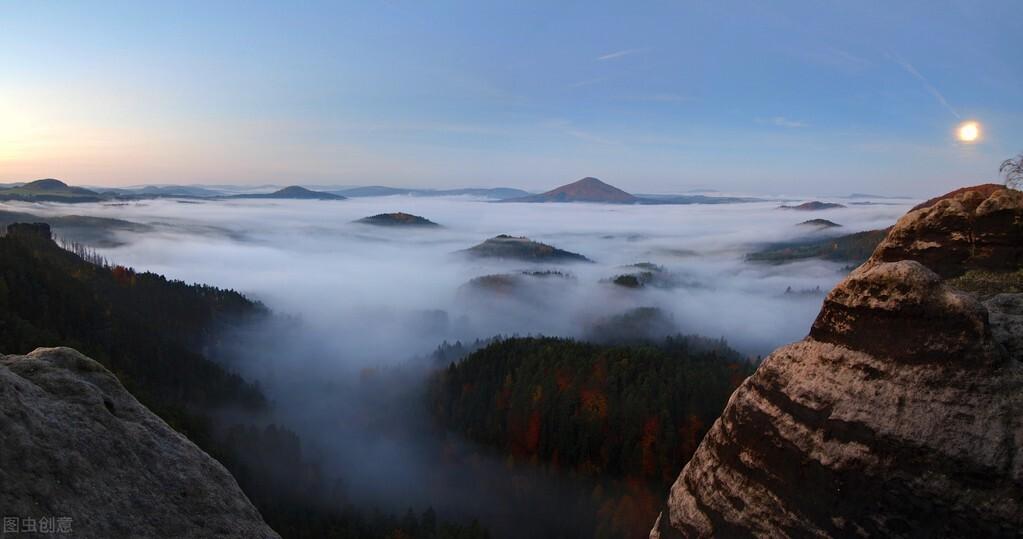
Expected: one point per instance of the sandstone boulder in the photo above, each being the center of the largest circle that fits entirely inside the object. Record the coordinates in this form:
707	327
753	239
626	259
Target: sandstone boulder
74	444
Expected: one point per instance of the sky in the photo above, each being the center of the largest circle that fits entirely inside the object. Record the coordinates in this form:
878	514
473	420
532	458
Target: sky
653	97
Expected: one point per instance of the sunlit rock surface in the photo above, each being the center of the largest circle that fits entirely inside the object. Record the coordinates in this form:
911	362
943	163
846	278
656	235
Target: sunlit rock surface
974	229
75	445
901	414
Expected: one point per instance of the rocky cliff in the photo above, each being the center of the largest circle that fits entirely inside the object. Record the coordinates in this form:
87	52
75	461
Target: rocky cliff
901	414
79	452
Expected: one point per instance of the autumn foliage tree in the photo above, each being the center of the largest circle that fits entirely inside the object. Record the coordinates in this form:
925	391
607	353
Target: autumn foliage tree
635	413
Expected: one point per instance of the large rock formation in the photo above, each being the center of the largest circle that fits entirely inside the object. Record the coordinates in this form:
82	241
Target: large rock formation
76	446
974	229
901	414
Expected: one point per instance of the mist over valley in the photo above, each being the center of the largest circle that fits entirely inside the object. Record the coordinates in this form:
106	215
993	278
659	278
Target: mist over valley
503	270
367	318
313	259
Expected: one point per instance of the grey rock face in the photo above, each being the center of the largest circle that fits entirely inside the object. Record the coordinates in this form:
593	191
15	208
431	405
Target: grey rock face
1005	312
75	444
900	415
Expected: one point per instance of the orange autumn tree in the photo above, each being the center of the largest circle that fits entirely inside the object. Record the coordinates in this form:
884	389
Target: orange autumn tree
617	411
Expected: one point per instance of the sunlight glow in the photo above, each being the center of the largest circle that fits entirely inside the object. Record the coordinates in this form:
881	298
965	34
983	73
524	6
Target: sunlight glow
968	132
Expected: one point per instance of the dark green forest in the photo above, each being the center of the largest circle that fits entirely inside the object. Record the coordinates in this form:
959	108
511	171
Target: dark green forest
852	248
635	412
150	331
160	337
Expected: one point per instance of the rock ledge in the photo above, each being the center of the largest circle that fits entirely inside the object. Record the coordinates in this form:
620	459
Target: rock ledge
74	443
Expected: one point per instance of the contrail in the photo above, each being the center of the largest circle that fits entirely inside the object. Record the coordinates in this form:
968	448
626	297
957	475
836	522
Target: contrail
908	67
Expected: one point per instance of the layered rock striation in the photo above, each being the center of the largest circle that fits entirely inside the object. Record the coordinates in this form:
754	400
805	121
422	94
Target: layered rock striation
974	229
75	445
901	414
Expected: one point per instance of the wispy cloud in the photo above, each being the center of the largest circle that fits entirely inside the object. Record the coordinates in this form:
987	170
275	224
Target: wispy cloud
908	68
781	121
618	54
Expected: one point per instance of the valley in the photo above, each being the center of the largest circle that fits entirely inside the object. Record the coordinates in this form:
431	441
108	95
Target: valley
511	270
373	388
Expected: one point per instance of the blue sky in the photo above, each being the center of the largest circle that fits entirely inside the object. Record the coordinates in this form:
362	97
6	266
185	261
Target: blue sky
774	97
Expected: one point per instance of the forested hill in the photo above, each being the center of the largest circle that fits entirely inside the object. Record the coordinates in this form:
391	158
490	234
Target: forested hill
148	330
628	411
853	248
635	413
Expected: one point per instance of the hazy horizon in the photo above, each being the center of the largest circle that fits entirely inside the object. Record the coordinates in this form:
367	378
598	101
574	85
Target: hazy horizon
270	186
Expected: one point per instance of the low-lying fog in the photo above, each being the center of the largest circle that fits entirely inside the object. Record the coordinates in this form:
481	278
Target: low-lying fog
367	296
387	293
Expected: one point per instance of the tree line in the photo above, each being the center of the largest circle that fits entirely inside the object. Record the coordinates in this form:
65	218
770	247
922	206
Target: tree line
635	412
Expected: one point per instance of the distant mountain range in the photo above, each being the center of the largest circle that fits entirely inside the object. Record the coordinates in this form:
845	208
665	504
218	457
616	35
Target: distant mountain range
588	189
693	199
292	192
498	193
49	190
162	191
593	190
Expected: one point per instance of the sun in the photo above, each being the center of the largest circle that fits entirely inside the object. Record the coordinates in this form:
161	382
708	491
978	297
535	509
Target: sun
968	132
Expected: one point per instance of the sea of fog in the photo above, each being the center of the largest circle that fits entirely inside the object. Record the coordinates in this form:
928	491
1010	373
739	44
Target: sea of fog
389	293
364	303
